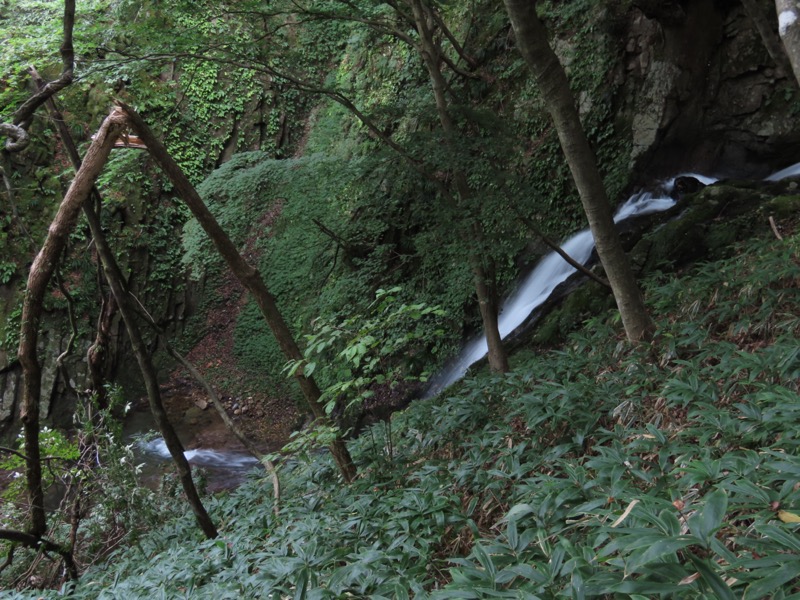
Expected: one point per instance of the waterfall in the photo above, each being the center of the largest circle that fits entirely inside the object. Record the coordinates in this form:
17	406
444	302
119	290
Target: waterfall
532	292
549	273
784	173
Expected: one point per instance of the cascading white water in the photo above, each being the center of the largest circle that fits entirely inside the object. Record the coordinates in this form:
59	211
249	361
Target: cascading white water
534	290
205	458
784	173
549	273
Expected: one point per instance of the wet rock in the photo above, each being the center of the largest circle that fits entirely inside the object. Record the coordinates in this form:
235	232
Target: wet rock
686	185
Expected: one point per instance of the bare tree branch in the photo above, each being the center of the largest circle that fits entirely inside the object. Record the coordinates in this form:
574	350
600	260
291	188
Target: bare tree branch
16	130
40	543
558	250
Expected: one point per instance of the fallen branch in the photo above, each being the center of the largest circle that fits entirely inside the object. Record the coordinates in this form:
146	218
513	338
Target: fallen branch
40	544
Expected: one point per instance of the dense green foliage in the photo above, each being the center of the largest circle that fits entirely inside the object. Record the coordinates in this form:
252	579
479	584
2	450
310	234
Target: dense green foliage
591	470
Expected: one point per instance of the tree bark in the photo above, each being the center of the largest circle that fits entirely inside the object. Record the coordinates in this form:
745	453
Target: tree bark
248	276
532	43
120	301
116	283
483	276
789	30
40	274
98	353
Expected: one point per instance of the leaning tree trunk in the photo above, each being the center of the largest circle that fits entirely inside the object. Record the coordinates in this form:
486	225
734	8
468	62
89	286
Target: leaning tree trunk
126	310
38	279
121	301
483	276
552	81
248	276
789	30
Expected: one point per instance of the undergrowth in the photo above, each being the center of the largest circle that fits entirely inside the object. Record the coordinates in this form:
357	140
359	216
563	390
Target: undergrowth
666	471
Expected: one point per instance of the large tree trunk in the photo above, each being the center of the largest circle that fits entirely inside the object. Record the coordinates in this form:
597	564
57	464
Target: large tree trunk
484	279
789	30
38	279
552	81
248	276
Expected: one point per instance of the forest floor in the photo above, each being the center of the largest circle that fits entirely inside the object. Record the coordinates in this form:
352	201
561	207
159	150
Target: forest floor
266	417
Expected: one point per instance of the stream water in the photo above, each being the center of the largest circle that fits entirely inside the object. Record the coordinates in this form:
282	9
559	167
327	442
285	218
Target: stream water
532	291
223	469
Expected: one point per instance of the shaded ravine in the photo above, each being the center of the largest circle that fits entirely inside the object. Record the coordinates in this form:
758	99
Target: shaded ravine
533	291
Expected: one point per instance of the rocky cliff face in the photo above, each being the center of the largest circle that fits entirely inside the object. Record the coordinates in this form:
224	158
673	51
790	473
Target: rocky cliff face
698	90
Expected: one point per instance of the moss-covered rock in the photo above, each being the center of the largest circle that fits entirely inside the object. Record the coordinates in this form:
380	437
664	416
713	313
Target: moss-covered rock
783	206
589	299
711	221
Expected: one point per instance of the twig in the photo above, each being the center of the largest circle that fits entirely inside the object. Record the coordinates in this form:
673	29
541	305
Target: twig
558	250
775	228
24	457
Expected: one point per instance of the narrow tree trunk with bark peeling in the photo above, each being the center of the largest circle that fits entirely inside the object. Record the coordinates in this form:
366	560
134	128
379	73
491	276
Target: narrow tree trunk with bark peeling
552	81
789	30
38	279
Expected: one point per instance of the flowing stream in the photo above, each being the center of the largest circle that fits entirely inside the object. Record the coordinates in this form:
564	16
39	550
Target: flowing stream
531	293
202	457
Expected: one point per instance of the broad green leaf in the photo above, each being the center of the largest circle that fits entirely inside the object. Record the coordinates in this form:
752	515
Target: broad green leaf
655	550
518	511
705	522
778	577
779	534
711	578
